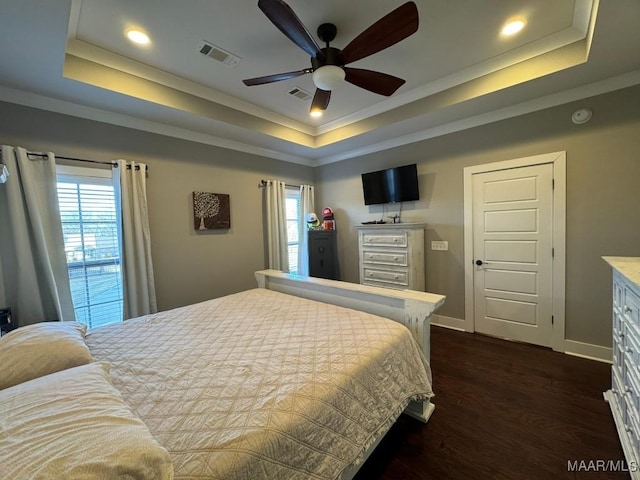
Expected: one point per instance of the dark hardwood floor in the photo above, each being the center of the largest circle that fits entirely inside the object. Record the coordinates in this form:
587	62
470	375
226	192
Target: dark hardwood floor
504	410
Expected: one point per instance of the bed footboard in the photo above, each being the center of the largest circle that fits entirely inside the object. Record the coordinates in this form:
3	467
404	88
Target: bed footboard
411	308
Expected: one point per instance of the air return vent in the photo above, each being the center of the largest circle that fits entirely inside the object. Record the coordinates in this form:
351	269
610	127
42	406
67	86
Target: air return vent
300	93
218	54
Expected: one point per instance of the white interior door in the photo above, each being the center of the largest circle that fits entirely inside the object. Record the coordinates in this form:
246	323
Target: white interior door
512	249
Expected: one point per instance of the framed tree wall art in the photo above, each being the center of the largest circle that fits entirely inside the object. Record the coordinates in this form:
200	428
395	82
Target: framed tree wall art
211	211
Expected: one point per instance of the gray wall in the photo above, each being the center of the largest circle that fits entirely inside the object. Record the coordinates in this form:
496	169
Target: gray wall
603	198
603	218
189	266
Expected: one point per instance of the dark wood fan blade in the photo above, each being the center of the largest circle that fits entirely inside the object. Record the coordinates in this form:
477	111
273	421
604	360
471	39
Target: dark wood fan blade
275	78
320	100
375	82
387	31
283	17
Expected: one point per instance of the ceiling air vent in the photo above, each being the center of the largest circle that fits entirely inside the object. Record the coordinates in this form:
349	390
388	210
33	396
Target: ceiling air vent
218	54
300	93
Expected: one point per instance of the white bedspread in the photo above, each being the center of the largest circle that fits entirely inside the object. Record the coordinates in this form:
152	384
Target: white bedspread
263	385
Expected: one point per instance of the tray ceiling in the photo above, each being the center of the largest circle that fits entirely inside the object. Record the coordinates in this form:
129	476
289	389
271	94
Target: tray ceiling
72	56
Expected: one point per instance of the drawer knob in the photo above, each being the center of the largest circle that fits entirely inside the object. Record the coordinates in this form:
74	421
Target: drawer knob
627	309
397	277
395	240
627	428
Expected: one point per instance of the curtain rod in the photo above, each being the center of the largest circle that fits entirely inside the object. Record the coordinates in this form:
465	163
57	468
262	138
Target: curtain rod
263	183
101	162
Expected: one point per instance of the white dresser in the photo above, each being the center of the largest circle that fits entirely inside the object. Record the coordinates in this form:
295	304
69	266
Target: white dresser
392	255
624	396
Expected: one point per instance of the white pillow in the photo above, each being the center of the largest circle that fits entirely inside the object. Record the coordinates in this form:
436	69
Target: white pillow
74	425
36	350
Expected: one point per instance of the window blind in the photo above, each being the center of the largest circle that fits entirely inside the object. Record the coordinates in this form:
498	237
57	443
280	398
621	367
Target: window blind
293	219
89	226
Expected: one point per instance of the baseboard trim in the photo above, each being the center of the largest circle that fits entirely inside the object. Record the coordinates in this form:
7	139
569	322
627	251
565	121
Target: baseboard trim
571	347
588	350
448	322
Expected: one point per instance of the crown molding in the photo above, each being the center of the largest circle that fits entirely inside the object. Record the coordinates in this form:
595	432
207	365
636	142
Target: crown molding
20	97
597	88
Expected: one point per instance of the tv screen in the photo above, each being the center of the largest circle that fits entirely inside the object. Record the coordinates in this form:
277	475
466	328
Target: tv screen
392	185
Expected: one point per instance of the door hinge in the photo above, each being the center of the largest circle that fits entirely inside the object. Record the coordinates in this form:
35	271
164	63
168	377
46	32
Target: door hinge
553	183
553	252
551	319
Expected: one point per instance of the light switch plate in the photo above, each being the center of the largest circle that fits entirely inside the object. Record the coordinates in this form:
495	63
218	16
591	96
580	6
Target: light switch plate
440	245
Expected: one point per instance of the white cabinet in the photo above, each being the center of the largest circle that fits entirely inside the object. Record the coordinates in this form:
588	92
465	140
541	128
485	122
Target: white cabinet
392	255
624	396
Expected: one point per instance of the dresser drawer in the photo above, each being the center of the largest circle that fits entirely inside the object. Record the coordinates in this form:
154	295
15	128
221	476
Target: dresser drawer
617	292
631	424
632	390
618	326
397	239
626	406
395	277
385	257
631	306
392	286
631	344
632	427
616	382
618	359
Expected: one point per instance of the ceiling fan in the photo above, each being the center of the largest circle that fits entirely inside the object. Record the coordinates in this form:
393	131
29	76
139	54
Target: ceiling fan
328	63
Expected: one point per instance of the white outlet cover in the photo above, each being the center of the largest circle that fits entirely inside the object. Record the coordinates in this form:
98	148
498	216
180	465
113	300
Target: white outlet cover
442	245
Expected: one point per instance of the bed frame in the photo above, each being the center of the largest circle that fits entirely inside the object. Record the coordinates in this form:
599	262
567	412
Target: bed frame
411	308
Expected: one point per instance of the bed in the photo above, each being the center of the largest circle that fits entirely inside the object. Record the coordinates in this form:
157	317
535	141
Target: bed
278	382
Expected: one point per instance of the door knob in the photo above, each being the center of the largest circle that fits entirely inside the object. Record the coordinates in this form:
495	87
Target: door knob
479	262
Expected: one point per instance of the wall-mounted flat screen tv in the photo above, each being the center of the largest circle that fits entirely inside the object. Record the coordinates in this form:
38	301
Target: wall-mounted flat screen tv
399	184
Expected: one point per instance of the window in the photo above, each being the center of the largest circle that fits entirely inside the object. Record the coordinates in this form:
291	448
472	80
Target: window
293	226
90	230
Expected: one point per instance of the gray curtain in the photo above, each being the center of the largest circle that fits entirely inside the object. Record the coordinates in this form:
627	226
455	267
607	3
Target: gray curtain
139	291
33	266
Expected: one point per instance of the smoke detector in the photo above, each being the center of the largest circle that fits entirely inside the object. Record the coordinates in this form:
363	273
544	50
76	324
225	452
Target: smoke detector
581	116
216	53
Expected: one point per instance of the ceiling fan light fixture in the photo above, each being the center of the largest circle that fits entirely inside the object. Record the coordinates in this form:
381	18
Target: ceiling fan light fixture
327	63
328	77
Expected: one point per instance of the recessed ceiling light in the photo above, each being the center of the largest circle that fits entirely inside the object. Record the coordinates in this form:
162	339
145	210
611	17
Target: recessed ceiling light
137	36
315	113
513	27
